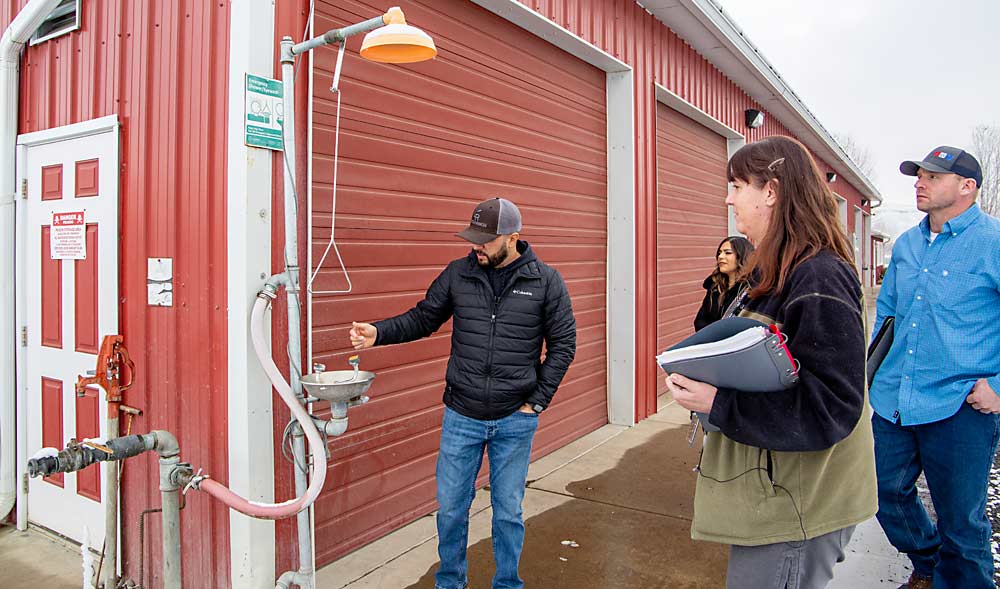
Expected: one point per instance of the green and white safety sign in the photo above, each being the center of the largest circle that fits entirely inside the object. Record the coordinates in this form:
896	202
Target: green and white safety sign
263	112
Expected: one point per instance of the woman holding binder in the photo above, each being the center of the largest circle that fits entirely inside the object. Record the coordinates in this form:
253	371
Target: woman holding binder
722	285
791	472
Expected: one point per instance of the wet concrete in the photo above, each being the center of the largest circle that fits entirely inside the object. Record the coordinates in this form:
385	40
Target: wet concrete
631	522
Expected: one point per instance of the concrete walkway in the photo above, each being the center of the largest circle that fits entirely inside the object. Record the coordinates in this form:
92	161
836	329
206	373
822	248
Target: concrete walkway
624	497
35	559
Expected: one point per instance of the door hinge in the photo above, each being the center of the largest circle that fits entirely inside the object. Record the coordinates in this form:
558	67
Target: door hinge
24	482
24	336
24	188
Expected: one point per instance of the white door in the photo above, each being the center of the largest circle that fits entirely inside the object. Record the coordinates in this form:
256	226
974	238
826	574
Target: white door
68	209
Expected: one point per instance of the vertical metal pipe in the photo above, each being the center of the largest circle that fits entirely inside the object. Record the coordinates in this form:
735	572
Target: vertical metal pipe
171	538
291	218
292	292
302	518
111	509
166	446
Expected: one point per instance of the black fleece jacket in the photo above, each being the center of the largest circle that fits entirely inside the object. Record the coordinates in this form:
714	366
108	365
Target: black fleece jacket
819	310
496	341
714	303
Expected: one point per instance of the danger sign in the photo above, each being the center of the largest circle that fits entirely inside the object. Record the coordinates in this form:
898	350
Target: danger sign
68	237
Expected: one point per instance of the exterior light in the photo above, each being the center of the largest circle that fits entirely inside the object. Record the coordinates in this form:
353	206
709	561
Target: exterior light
397	42
831	177
754	118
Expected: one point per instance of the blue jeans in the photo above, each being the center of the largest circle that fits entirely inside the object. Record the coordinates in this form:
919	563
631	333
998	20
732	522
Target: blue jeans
463	440
955	455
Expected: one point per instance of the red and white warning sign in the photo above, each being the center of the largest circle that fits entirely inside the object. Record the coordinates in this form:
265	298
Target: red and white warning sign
68	238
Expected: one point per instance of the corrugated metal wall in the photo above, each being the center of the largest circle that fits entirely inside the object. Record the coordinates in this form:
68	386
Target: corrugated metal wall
692	218
498	112
162	68
657	55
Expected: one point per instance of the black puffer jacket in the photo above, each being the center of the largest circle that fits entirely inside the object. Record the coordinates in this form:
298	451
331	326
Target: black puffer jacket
496	341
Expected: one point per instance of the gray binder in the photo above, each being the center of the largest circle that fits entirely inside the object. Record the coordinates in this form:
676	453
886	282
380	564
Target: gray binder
763	367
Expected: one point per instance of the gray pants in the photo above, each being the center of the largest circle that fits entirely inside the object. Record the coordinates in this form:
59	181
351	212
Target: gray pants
787	565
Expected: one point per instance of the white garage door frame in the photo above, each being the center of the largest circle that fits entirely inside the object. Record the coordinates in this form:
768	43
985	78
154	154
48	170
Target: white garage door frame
621	279
734	139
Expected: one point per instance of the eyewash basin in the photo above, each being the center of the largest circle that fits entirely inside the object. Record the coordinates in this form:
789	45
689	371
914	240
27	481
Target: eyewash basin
337	385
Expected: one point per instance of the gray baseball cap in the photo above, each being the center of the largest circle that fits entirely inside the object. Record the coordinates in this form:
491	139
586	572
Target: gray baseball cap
947	160
493	217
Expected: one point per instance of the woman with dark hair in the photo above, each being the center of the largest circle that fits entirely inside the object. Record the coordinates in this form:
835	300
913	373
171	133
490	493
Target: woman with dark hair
790	473
722	286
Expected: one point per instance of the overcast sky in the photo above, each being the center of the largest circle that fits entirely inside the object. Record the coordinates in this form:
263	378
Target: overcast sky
900	76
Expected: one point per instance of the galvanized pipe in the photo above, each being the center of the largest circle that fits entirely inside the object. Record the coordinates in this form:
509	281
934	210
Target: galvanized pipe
302	519
170	485
111	508
337	35
170	504
80	456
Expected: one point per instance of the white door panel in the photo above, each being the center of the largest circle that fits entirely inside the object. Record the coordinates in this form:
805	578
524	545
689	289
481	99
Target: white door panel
66	307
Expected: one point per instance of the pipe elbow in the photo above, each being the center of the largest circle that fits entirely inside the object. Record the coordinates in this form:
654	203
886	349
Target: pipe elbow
166	443
273	284
335	426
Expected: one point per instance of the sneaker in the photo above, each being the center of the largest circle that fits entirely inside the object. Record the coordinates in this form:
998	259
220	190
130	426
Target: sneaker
918	582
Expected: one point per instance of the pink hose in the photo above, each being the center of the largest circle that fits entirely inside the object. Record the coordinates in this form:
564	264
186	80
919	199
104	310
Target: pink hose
288	508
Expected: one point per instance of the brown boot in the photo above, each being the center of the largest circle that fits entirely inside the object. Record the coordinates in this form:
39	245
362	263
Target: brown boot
918	582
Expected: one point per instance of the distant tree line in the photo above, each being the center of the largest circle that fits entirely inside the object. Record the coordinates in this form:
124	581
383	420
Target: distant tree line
986	148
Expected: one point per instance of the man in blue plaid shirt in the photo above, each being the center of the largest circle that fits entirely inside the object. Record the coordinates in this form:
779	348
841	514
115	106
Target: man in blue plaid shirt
935	395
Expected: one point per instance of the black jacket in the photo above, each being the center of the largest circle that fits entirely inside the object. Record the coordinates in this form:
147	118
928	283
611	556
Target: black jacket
715	303
496	342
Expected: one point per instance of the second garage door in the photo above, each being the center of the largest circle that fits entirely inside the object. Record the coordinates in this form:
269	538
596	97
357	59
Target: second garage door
498	113
691	220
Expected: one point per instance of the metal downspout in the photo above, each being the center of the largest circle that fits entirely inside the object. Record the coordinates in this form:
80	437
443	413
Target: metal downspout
11	45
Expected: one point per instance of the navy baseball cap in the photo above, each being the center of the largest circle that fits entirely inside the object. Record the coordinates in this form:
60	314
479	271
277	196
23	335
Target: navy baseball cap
492	218
947	160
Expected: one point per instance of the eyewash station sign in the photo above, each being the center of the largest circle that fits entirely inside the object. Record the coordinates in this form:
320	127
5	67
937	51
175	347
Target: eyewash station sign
264	114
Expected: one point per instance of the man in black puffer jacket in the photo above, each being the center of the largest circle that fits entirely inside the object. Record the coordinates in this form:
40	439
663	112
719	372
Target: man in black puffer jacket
505	303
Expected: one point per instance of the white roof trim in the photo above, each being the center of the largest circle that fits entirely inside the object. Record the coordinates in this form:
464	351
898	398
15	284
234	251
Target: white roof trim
705	26
694	113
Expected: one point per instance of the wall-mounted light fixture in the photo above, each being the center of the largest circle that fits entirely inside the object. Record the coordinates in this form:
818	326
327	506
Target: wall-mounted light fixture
755	118
397	42
864	202
831	177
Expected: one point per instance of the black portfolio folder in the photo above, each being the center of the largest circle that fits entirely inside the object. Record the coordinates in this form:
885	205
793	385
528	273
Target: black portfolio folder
879	347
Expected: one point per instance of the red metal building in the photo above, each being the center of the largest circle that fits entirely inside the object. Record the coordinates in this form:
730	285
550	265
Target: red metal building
609	123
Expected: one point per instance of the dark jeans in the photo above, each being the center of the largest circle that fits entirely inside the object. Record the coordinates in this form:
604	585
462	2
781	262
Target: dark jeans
508	444
955	455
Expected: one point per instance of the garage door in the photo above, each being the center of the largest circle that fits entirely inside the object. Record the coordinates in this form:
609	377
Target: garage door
498	113
691	220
